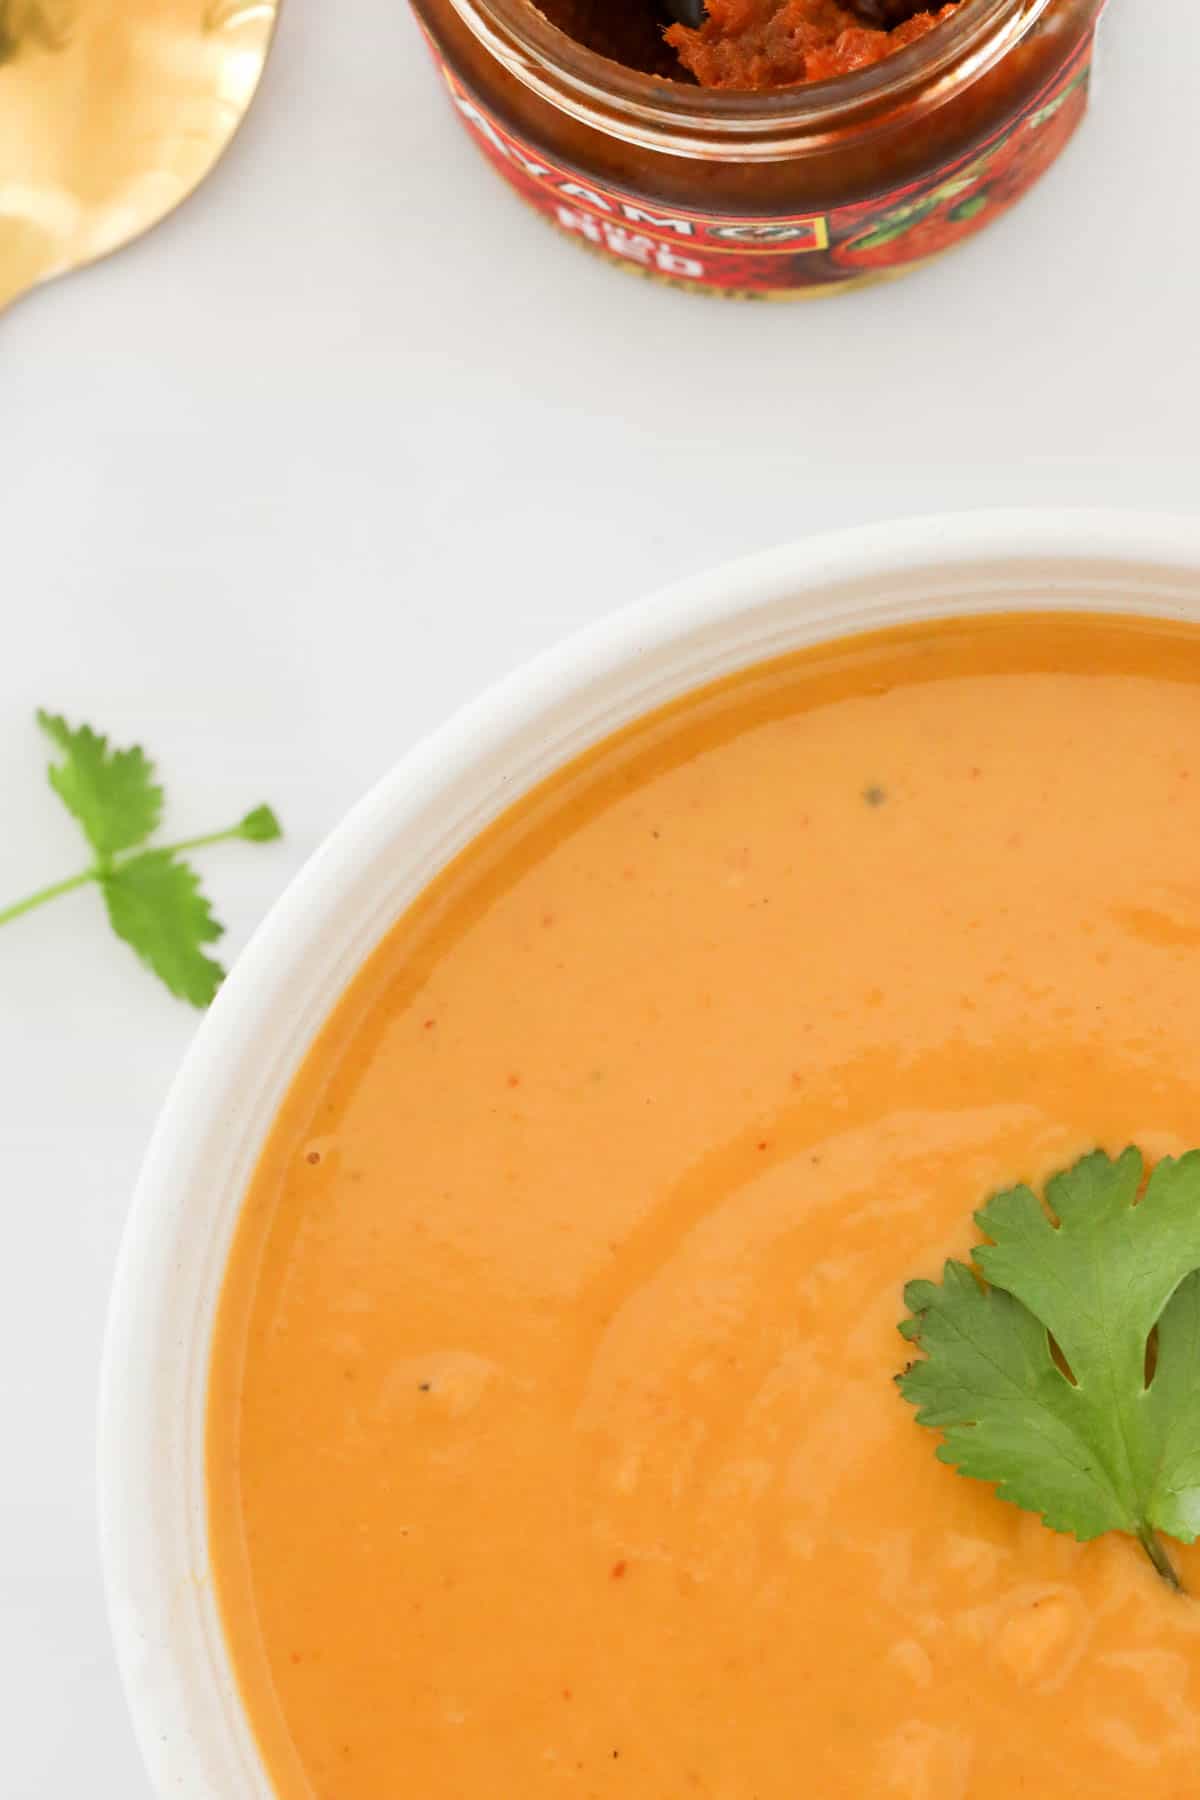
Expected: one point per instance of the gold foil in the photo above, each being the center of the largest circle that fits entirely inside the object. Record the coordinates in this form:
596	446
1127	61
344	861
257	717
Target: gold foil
111	111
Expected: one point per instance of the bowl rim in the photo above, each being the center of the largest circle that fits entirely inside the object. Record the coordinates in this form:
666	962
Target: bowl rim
133	1472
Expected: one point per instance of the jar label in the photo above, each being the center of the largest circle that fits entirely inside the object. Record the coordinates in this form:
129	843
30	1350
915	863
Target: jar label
781	254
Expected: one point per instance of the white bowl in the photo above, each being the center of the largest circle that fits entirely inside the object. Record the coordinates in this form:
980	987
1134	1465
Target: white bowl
193	1731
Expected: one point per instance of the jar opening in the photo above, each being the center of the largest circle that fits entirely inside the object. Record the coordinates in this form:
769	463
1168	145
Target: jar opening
596	90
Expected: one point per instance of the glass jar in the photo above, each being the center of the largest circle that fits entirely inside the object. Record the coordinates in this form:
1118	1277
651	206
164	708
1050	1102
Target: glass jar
792	191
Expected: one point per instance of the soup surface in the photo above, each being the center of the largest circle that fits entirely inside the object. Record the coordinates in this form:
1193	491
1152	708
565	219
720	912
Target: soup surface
553	1445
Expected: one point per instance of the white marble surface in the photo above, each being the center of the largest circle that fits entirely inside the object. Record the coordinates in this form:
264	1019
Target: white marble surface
344	440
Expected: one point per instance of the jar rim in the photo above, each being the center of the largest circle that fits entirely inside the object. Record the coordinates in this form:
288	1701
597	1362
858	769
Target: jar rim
658	112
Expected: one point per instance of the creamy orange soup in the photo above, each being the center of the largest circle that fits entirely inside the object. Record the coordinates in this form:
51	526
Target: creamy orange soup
554	1448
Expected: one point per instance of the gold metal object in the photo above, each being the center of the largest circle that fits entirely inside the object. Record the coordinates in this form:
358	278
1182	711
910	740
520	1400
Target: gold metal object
111	112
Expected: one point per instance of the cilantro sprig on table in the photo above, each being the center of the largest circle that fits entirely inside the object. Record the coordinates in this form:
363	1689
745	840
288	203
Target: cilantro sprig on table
1064	1367
153	896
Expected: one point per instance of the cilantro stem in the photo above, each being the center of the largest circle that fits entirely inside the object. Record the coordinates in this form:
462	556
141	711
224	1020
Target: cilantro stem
257	827
47	893
1152	1544
200	843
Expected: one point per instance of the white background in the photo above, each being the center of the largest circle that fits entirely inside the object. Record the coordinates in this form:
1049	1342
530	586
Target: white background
344	440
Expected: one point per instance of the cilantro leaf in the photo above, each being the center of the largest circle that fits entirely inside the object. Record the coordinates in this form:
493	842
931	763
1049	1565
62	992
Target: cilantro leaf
154	899
259	826
112	793
156	904
1094	1273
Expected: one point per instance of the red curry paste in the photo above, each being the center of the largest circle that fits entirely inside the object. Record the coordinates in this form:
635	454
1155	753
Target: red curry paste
743	44
771	200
